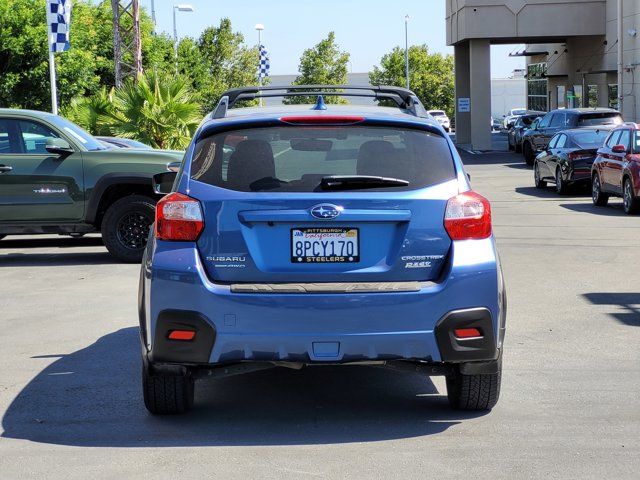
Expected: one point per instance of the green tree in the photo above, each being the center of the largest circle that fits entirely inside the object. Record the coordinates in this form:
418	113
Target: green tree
324	64
89	112
158	109
24	67
430	75
217	61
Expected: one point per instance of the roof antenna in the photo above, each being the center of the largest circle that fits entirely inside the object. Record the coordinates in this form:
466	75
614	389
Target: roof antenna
320	105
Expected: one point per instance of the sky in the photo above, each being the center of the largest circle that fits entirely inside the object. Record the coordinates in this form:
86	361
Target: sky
367	29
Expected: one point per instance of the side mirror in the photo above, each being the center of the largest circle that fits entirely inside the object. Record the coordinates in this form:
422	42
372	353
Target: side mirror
163	182
174	166
58	146
619	149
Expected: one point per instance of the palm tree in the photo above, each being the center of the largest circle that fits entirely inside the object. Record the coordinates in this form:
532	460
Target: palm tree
88	112
160	111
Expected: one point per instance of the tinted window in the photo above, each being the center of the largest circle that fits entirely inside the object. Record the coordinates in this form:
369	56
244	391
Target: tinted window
34	136
562	140
296	158
625	137
9	139
603	118
437	113
636	142
78	134
558	120
554	141
613	139
546	120
590	138
526	121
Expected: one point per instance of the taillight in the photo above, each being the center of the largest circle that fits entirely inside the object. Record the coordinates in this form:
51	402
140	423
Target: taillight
573	156
468	217
178	218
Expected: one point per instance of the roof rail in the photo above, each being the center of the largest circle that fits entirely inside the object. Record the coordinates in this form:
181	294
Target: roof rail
404	99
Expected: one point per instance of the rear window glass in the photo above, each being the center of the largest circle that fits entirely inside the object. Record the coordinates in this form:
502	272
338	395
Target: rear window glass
590	139
437	113
296	158
609	118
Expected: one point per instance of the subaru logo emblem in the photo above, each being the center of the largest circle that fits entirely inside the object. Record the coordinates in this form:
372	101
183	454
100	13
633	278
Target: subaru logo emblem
326	211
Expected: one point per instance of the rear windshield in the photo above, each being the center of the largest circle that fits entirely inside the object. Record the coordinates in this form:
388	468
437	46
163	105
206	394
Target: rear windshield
437	113
296	158
590	139
607	118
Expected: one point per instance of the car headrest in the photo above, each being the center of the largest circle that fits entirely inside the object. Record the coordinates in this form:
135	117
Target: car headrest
251	161
376	157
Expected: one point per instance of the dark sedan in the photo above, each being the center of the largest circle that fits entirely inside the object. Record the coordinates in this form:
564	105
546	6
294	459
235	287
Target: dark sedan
616	170
536	139
522	124
568	158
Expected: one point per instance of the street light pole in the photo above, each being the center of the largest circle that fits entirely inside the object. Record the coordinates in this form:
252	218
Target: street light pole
153	14
183	7
406	49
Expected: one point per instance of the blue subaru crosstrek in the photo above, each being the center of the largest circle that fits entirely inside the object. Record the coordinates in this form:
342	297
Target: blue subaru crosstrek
310	235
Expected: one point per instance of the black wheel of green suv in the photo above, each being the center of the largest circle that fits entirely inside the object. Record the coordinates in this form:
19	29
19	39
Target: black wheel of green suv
125	227
474	392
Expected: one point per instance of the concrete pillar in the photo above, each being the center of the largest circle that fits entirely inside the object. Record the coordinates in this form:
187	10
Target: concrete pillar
603	93
480	87
463	120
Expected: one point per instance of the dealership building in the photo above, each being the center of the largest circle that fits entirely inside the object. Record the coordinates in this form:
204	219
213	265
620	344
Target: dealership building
579	53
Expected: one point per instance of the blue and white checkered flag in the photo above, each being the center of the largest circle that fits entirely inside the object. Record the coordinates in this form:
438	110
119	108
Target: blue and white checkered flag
263	68
59	19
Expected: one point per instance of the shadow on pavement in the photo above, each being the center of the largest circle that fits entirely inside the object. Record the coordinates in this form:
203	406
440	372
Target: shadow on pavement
92	397
614	210
52	258
549	192
629	302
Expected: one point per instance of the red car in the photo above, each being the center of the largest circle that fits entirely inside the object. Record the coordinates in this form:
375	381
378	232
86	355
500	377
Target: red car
616	169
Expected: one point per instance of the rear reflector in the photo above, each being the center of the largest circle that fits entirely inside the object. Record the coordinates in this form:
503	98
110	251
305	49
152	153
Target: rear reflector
467	333
182	335
468	217
178	218
322	119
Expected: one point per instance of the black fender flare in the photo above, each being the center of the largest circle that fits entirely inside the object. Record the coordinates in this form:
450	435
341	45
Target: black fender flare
109	180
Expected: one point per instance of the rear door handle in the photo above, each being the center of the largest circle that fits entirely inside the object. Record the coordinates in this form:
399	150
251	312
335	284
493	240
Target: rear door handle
5	168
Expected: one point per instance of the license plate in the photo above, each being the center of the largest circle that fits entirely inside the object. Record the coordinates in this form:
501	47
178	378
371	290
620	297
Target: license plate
325	245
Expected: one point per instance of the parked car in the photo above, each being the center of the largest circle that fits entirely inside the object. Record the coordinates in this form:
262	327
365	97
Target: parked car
511	116
330	234
495	125
442	119
616	170
568	158
124	143
535	140
522	123
56	178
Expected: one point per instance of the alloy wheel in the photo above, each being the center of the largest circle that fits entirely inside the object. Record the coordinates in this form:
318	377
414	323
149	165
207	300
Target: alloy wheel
133	230
628	196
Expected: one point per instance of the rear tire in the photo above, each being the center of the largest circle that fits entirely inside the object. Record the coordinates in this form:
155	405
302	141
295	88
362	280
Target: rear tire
125	227
631	202
599	198
474	392
539	183
518	148
528	153
561	186
511	145
167	394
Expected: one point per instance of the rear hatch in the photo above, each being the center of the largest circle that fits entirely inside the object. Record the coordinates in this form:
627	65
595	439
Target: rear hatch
323	203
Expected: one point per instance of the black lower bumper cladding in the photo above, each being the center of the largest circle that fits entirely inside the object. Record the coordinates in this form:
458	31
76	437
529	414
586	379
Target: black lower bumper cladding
196	351
453	349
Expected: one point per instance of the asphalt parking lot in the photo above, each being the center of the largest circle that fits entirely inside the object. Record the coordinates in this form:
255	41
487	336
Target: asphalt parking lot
71	405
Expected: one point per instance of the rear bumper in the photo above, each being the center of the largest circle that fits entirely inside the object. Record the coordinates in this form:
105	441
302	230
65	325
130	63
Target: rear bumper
321	327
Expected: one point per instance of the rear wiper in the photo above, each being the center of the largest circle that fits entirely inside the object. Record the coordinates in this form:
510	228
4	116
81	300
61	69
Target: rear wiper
354	182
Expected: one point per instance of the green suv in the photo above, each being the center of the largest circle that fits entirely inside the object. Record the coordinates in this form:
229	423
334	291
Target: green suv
56	178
